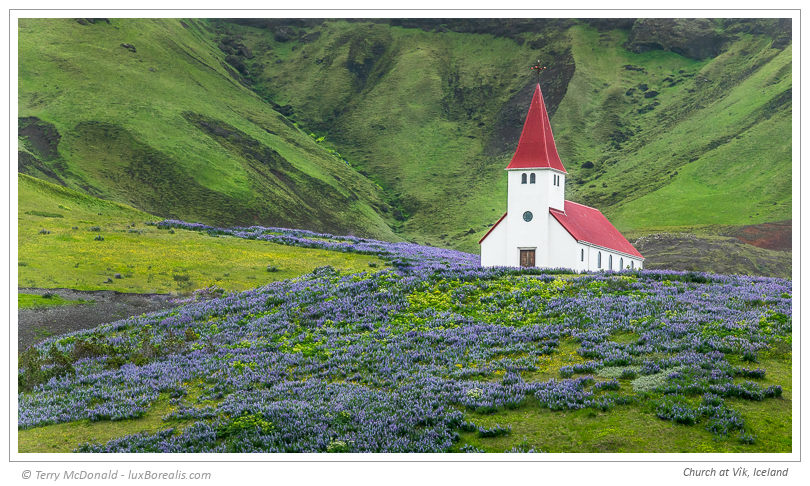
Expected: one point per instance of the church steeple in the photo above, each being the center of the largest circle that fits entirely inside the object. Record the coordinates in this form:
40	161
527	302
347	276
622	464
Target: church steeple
536	148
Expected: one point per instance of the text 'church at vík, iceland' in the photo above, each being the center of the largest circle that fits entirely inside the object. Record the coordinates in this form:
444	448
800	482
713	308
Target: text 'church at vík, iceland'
542	229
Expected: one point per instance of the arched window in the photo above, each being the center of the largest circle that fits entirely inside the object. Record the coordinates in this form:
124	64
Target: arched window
610	262
531	178
523	178
599	259
582	254
621	263
632	264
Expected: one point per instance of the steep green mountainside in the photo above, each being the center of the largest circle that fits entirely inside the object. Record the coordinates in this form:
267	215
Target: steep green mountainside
146	112
659	132
424	114
712	147
406	124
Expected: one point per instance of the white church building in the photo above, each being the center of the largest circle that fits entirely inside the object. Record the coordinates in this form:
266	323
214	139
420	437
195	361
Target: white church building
540	228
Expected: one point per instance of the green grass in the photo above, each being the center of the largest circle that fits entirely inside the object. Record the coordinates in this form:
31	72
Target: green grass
65	437
134	257
127	130
635	428
35	301
716	150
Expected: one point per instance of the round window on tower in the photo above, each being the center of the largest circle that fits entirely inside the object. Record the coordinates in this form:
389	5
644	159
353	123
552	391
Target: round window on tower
527	216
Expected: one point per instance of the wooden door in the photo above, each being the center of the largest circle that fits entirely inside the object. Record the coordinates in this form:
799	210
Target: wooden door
526	258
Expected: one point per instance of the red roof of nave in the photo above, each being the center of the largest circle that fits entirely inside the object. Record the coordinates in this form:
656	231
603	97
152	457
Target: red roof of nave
588	224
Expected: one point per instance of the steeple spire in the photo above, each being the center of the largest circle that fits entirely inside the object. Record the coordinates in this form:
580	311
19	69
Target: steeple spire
536	148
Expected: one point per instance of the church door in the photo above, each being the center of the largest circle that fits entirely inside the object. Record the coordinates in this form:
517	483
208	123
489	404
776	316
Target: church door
526	258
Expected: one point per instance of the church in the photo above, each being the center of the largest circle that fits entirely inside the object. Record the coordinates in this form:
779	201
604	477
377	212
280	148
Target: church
540	228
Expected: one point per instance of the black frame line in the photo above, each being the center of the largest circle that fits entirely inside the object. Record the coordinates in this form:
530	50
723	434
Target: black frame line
170	457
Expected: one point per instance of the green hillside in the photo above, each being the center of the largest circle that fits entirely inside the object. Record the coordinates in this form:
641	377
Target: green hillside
655	139
406	125
146	112
70	240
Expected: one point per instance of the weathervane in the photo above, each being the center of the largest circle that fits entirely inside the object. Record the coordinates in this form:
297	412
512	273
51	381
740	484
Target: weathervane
539	68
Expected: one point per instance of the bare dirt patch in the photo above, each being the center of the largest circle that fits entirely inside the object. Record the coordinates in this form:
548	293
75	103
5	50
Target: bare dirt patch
771	236
34	325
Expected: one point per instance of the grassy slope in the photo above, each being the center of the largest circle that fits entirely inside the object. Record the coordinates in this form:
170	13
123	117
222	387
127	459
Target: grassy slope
394	125
715	149
745	179
34	301
187	260
167	129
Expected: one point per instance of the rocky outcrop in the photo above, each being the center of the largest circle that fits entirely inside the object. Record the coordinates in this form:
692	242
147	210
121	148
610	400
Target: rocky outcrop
692	38
609	24
42	136
780	30
366	54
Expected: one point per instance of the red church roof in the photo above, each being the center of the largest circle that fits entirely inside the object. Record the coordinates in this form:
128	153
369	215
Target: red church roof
536	148
591	226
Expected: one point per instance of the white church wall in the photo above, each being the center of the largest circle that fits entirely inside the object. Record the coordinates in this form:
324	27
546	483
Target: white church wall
563	249
592	257
520	199
556	192
584	260
493	248
597	259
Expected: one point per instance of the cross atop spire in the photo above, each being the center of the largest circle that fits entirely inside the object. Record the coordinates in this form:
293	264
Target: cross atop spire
536	148
538	68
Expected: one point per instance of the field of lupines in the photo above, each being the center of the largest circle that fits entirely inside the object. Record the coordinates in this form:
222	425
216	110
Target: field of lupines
427	357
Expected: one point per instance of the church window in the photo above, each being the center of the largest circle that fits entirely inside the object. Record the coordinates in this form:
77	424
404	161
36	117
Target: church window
531	178
523	178
599	259
632	264
527	216
621	263
582	254
610	262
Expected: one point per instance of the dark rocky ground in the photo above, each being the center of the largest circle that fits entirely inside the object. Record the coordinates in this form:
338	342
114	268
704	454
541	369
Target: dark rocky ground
34	325
715	254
